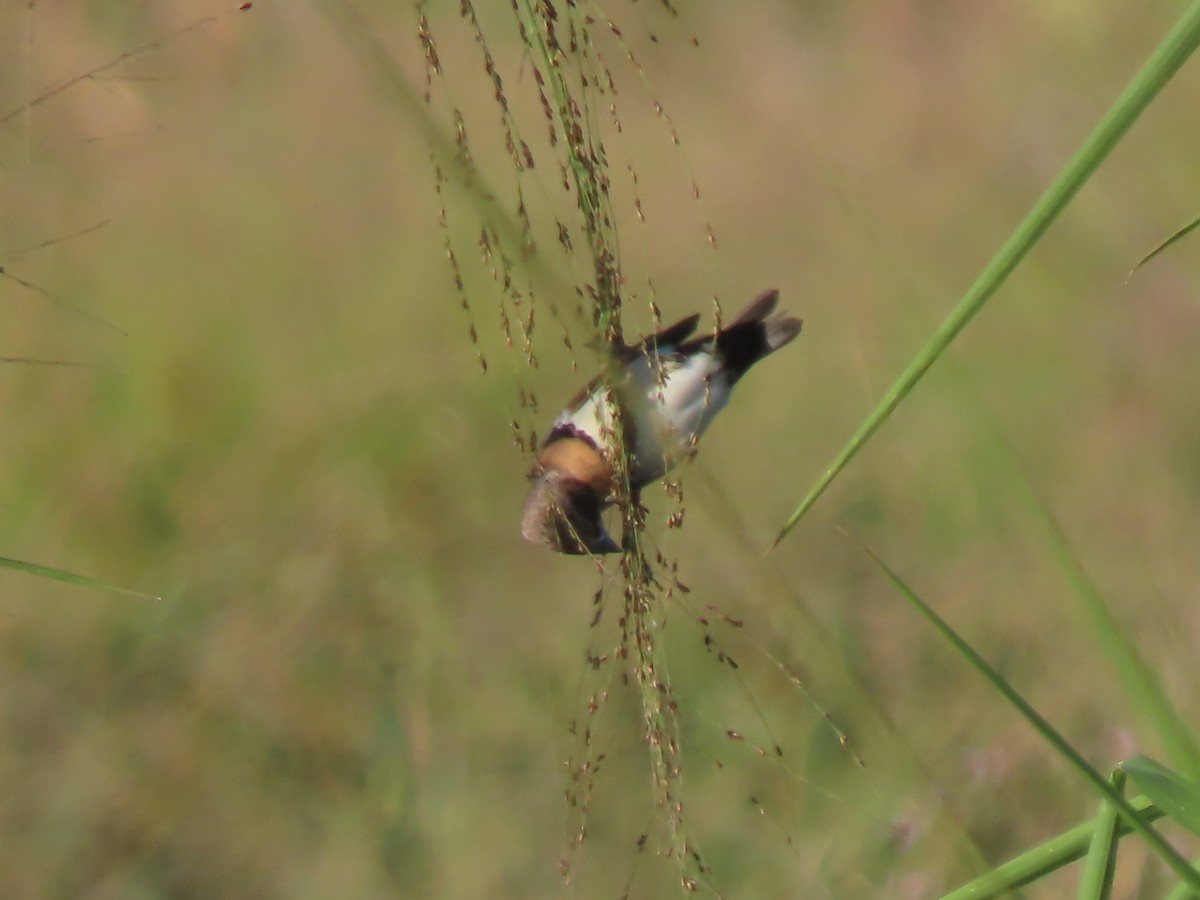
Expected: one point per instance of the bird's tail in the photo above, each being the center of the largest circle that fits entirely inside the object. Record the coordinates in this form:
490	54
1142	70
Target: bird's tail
777	329
756	332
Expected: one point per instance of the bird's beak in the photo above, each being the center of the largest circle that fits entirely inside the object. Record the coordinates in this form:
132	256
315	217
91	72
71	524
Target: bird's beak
563	513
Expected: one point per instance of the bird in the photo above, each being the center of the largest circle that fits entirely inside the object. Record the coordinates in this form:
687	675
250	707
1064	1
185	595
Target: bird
667	389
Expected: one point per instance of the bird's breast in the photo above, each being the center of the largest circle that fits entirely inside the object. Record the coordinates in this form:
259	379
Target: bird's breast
669	401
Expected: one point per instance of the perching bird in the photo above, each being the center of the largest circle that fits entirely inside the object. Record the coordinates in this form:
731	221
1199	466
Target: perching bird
670	389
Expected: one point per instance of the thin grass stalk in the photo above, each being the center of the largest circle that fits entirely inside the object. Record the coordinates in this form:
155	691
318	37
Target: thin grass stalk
1101	861
1157	842
1139	679
1049	856
1141	682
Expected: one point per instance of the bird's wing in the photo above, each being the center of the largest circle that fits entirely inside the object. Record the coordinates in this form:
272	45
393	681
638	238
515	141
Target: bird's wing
665	340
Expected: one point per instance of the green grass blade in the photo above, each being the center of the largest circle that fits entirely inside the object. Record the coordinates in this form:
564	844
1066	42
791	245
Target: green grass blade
1182	891
1047	857
1140	681
70	577
1182	232
1101	861
1157	842
1173	794
1175	48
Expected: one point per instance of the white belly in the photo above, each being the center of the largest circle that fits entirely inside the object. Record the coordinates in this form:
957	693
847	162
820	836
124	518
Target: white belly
670	405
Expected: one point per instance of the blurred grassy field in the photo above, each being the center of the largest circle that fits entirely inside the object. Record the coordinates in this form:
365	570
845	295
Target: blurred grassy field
360	681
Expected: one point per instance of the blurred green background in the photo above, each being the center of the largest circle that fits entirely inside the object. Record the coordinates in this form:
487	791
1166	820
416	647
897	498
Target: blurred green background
361	682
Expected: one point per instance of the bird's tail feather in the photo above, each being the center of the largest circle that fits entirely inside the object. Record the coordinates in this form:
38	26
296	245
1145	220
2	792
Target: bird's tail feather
758	308
778	330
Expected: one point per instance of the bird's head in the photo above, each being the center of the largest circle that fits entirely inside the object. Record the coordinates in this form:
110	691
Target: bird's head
563	513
